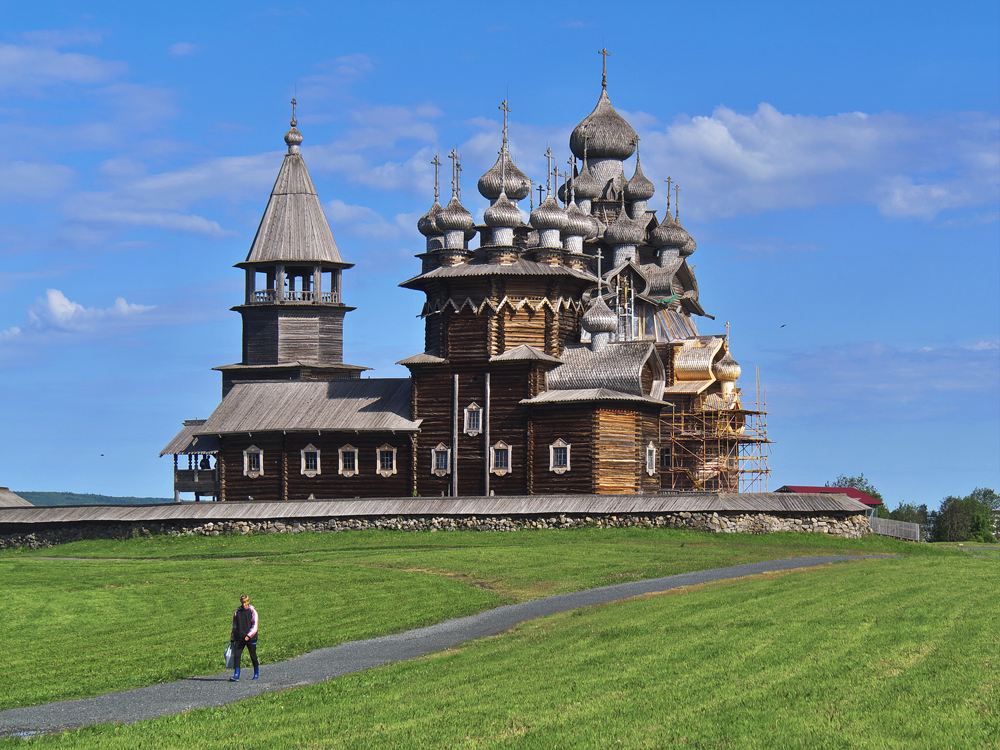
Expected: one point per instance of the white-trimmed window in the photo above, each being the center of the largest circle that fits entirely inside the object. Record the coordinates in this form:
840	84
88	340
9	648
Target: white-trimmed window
500	458
253	462
651	459
309	461
347	460
473	419
559	456
440	460
385	460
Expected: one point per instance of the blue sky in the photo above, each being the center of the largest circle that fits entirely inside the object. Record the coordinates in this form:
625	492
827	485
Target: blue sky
839	165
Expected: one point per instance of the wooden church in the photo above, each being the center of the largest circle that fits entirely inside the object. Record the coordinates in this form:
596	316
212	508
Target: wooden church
559	356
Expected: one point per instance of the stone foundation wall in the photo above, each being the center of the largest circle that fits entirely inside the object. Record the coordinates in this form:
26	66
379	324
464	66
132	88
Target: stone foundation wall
840	525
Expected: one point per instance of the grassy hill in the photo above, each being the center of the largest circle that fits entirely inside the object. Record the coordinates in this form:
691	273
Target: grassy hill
880	653
80	498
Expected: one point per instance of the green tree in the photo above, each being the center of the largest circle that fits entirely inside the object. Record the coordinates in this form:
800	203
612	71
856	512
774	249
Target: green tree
967	519
860	482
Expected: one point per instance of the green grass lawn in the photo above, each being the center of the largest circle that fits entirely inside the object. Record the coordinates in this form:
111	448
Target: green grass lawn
899	653
158	609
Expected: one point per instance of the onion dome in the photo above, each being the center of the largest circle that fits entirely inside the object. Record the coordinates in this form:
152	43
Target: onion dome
578	224
455	217
586	185
688	247
604	132
502	213
293	138
599	318
726	369
639	188
624	231
669	233
548	215
427	224
504	176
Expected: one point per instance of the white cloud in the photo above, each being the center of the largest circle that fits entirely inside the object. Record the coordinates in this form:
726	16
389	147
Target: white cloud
56	312
25	181
362	221
730	163
29	68
984	346
183	49
62	37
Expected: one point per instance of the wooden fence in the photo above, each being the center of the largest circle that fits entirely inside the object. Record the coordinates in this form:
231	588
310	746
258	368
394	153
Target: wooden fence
896	529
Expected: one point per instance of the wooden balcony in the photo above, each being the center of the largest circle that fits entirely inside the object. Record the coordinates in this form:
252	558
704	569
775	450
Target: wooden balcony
270	297
199	481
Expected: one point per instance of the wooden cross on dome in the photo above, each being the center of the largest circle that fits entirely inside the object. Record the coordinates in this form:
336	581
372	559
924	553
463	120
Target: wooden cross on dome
669	183
548	171
604	73
294	121
436	161
505	109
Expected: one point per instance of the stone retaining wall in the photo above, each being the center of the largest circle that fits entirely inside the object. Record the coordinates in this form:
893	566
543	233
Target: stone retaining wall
842	525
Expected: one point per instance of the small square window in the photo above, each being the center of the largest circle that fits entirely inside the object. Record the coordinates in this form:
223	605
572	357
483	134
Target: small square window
440	460
310	461
559	456
500	459
473	419
253	462
348	460
386	460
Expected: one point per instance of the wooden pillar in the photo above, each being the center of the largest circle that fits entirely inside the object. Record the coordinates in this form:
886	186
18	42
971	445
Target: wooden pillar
317	285
251	284
279	283
486	439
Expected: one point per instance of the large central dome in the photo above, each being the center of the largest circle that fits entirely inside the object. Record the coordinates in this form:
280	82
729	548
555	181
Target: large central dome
605	133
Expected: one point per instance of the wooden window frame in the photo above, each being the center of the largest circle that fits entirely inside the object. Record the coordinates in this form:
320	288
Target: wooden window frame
494	469
650	462
560	443
253	450
476	409
440	448
386	448
340	460
303	467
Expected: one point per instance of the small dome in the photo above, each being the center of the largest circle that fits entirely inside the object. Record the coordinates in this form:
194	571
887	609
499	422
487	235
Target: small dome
605	133
515	182
293	137
548	215
726	369
427	224
639	188
586	185
503	213
669	233
624	231
578	224
688	247
454	216
599	318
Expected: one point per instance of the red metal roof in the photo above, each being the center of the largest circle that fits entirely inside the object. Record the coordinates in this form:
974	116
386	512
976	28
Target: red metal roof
857	494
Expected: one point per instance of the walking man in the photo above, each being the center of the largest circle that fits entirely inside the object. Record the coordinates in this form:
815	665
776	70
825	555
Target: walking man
244	635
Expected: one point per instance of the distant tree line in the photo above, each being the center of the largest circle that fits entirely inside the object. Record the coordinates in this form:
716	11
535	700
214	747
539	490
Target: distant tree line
973	518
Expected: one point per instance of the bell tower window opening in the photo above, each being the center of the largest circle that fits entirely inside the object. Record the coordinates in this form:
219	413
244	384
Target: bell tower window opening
628	322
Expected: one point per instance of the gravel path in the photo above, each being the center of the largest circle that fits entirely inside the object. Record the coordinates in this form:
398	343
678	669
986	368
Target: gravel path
326	663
